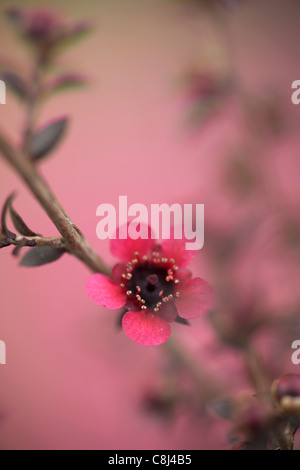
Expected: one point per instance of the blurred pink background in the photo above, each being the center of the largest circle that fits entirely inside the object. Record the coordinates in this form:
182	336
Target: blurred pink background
73	380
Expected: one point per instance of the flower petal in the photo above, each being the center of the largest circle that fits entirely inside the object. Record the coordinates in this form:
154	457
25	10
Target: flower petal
146	328
117	271
125	249
168	312
176	249
195	299
105	292
183	275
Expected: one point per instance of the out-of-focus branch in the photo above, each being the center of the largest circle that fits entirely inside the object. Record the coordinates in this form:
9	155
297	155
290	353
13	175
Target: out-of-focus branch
256	371
75	242
208	388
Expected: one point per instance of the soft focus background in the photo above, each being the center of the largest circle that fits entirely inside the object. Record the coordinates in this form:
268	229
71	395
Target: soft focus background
183	106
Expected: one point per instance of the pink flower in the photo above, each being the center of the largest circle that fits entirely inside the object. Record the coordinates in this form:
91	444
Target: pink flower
44	27
153	285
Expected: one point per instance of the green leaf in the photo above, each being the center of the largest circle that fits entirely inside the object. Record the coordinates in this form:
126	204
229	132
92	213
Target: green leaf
14	16
76	34
47	139
65	83
41	255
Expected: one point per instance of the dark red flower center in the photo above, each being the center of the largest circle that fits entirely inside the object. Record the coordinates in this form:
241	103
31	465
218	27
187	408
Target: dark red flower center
150	282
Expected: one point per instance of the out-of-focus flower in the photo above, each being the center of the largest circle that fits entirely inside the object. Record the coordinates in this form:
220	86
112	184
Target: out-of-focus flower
204	93
241	446
201	86
253	421
153	285
44	28
286	394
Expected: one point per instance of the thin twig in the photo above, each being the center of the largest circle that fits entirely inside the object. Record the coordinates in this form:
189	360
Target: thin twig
76	243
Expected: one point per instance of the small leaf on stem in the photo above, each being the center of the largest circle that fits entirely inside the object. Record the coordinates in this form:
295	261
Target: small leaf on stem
19	223
14	16
66	82
41	255
181	320
47	138
15	84
76	33
4	228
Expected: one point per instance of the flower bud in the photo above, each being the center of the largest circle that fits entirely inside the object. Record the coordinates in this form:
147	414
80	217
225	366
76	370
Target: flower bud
241	446
286	394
